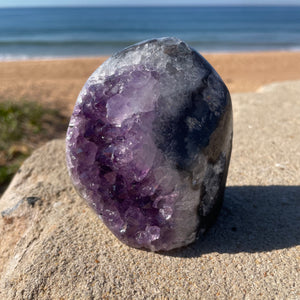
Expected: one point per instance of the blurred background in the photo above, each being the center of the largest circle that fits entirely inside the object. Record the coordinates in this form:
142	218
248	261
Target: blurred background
48	49
47	32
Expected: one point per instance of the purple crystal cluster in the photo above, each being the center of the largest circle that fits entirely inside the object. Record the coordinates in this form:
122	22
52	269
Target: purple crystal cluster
149	143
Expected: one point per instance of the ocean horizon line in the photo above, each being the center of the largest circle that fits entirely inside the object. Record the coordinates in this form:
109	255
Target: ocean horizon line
155	6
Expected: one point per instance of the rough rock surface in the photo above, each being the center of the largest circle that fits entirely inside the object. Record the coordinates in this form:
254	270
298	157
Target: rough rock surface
53	246
149	144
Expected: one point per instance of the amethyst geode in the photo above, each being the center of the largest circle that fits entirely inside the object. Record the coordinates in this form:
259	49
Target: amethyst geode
149	143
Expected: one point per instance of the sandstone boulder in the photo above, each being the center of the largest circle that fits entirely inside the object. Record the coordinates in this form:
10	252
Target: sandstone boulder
53	246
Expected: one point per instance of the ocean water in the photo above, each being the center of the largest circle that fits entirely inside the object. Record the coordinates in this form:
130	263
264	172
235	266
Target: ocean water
70	32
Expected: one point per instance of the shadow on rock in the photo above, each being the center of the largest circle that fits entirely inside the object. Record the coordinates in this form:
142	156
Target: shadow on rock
253	219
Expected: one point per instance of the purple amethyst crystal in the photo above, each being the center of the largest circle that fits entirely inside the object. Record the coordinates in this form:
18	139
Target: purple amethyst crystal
149	143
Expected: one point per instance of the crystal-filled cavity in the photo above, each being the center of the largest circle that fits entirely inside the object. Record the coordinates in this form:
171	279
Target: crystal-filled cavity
149	144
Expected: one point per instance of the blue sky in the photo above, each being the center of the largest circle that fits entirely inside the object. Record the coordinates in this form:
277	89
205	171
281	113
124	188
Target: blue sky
22	3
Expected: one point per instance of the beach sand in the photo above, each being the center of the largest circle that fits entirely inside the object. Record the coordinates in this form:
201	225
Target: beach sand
58	82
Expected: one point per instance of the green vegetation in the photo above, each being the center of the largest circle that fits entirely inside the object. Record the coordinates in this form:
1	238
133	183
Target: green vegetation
24	126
